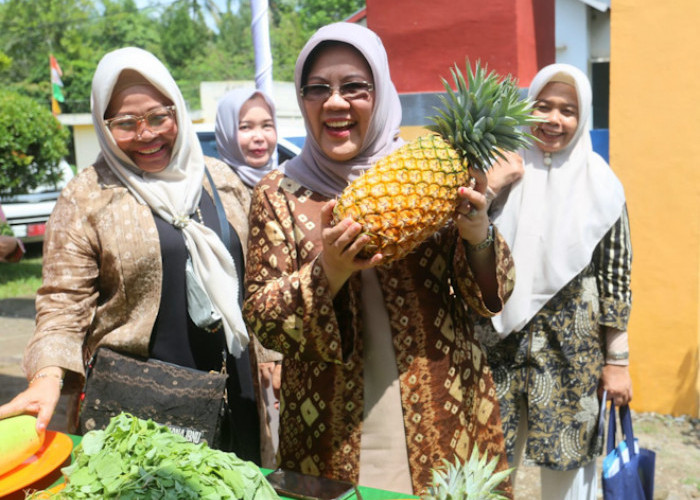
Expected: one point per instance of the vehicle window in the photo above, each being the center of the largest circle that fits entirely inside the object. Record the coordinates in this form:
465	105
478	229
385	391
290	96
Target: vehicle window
283	154
208	142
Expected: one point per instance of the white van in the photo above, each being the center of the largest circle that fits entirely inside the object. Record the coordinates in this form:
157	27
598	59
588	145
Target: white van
28	212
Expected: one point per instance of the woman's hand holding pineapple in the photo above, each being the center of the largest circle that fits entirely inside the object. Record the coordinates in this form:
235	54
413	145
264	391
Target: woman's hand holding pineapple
341	244
471	214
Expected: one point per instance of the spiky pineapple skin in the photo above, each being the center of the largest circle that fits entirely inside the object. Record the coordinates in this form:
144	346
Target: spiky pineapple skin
405	197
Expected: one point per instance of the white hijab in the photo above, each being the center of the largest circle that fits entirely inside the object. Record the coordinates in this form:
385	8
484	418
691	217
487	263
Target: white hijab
554	217
312	168
173	193
228	113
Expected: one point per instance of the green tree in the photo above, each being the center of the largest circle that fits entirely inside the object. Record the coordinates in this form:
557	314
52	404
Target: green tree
32	29
80	32
122	24
32	142
235	44
185	34
317	13
287	38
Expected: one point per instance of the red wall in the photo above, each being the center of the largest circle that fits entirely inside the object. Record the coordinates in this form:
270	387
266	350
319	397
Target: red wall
424	38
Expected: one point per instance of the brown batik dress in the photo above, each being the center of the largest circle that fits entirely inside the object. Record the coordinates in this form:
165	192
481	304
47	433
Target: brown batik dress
447	392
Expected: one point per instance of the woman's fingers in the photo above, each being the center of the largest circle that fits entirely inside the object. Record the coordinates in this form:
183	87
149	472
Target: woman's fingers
480	180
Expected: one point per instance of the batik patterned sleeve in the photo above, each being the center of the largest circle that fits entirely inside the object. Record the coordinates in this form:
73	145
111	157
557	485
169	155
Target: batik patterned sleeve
288	304
613	260
469	288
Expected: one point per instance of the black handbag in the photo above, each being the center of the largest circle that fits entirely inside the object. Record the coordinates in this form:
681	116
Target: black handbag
190	402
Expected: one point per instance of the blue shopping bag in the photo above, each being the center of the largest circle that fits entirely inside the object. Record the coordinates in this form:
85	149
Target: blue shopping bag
628	470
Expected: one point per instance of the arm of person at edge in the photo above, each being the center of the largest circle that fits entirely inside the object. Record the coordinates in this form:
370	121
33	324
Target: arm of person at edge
342	243
11	249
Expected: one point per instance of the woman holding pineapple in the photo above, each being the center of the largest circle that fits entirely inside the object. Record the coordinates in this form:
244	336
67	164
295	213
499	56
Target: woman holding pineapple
382	376
563	330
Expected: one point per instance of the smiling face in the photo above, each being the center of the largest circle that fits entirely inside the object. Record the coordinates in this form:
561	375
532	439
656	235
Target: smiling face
257	136
558	104
339	125
151	152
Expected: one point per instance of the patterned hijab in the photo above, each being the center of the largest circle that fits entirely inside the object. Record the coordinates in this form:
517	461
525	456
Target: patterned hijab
173	193
228	114
312	168
554	217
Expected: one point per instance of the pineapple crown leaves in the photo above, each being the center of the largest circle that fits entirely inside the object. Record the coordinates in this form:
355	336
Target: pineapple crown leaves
472	480
484	116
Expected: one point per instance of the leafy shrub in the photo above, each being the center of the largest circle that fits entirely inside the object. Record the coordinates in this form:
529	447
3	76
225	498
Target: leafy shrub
32	143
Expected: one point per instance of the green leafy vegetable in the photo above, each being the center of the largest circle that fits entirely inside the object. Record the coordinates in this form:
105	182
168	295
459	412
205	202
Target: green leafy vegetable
139	459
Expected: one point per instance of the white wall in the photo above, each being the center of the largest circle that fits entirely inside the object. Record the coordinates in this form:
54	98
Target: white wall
582	32
571	33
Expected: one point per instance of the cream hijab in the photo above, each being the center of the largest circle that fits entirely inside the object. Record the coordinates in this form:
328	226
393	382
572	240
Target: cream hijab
555	216
228	113
173	193
312	168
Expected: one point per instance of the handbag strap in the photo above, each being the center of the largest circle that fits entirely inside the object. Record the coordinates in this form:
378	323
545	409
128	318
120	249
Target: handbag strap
626	424
627	431
221	214
601	420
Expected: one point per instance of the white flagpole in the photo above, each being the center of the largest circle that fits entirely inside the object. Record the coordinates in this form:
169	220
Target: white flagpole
261	44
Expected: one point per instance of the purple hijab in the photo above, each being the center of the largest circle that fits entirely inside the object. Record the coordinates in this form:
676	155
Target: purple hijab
312	168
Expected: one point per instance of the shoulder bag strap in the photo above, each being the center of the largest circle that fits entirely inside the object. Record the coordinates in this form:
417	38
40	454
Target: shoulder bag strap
223	222
226	238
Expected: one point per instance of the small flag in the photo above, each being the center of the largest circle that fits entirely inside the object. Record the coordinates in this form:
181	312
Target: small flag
56	85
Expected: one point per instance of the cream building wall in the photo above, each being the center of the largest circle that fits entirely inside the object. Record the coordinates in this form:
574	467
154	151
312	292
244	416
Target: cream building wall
654	149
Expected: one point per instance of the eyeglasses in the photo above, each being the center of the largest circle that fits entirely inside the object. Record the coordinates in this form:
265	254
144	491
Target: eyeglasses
349	91
157	120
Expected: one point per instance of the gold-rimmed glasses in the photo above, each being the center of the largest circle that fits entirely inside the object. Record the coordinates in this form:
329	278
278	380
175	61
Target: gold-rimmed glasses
126	127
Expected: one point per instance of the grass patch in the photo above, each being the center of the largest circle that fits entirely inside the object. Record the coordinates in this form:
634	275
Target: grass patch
648	427
20	279
692	481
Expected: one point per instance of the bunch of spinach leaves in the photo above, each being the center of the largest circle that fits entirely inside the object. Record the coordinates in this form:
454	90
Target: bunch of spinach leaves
139	459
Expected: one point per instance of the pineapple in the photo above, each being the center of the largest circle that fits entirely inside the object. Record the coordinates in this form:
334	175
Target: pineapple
473	480
411	193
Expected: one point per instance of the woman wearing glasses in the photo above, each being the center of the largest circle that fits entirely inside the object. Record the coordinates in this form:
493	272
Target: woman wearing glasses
117	245
381	376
